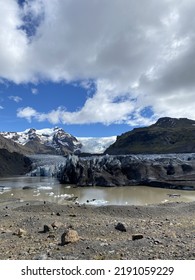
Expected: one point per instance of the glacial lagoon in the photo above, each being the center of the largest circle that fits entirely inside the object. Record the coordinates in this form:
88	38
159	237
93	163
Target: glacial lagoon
29	188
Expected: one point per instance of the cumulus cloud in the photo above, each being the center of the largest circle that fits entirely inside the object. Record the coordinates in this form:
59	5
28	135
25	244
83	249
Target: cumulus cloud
13	43
15	98
99	108
27	113
139	54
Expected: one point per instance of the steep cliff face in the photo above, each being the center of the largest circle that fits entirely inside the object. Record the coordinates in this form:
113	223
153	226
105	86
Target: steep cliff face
167	135
166	171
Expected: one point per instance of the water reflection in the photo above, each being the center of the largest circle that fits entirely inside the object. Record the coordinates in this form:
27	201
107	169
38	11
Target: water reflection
49	189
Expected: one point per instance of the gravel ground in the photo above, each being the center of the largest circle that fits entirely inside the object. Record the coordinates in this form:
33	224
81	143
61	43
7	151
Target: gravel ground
41	230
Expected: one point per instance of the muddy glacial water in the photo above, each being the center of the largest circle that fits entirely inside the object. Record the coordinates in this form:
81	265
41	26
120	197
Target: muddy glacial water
49	189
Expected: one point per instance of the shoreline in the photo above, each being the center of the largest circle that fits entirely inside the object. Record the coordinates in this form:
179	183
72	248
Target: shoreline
167	231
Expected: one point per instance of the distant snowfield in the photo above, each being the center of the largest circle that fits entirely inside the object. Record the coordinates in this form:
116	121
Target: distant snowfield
96	145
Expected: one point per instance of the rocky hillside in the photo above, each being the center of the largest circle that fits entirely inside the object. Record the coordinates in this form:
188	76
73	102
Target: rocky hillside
12	159
13	163
167	135
45	141
12	146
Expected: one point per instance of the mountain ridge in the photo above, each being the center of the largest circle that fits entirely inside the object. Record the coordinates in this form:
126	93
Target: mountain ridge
167	135
57	141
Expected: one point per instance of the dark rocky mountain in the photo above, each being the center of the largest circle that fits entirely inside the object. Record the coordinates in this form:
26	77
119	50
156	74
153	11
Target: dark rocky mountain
12	159
13	163
167	135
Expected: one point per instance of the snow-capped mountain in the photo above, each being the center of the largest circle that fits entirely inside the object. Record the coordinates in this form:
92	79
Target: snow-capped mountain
57	141
50	140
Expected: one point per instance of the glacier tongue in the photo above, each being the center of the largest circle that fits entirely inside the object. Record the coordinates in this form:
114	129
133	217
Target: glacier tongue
46	165
95	145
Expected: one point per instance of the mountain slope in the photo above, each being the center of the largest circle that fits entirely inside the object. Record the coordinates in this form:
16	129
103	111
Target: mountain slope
45	141
167	135
12	146
13	163
57	141
12	159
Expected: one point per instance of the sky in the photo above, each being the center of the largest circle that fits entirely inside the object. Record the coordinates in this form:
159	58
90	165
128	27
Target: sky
95	67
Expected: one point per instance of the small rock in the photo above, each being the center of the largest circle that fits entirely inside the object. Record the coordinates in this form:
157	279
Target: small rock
58	214
40	257
111	252
69	236
21	232
46	228
137	236
56	225
52	236
120	227
70	226
103	244
28	188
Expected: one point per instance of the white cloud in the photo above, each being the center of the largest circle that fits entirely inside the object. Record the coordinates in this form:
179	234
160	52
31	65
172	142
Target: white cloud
144	50
34	91
1	107
13	43
15	98
27	113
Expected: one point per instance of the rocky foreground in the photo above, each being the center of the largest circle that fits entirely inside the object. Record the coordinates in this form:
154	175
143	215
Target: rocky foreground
40	230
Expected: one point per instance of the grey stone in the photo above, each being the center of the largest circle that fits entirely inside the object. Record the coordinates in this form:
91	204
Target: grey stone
46	228
120	227
137	236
